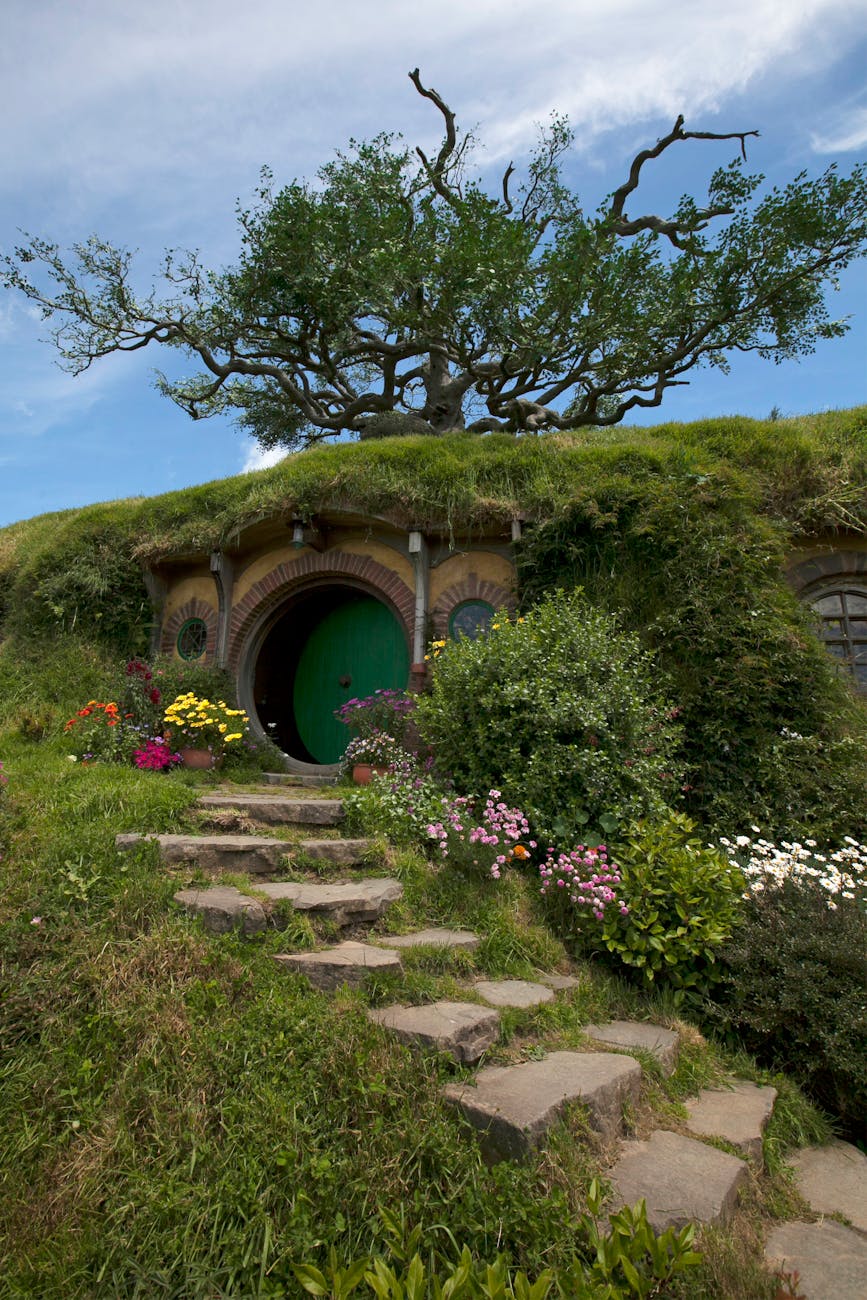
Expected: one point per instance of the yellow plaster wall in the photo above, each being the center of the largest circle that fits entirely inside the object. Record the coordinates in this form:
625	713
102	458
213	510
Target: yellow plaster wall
387	556
196	587
486	565
262	565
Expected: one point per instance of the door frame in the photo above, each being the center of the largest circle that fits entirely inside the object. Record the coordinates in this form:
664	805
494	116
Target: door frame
276	608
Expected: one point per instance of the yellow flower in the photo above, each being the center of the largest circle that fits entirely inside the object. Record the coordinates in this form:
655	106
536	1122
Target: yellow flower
222	728
236	735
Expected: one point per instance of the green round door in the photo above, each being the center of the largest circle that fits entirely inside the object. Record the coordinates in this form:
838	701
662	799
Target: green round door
356	649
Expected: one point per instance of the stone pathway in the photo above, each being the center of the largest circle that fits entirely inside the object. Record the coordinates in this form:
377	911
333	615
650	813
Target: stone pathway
681	1180
257	854
513	1107
462	1029
739	1114
626	1034
276	809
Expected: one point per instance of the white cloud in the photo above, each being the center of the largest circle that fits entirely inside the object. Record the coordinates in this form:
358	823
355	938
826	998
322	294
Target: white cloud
175	101
256	458
849	132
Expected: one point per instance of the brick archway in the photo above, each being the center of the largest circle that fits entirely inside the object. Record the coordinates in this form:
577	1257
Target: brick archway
472	587
194	608
825	570
285	579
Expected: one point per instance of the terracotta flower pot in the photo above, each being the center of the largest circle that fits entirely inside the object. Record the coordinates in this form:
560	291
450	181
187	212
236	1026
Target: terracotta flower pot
362	772
199	758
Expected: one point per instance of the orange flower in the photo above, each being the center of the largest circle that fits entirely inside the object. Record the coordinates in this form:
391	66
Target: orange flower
520	852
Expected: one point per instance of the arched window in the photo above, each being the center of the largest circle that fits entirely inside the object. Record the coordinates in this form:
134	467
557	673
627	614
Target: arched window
842	617
470	618
192	639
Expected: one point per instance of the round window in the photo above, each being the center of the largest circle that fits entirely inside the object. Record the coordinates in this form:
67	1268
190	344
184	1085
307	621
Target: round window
843	628
192	639
471	618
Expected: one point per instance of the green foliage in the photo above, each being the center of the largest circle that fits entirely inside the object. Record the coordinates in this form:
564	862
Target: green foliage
683	899
629	1260
399	804
557	710
794	992
770	734
397	283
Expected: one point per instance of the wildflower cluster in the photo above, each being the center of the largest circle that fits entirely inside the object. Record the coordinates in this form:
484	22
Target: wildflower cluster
583	877
155	755
385	711
842	874
95	732
205	724
492	842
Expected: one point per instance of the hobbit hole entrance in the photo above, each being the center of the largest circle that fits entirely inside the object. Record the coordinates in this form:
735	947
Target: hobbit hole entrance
324	647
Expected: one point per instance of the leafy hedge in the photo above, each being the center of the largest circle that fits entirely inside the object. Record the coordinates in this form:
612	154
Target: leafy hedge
771	735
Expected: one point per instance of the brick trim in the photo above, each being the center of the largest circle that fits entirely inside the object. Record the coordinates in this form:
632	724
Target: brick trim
472	587
194	608
284	579
834	568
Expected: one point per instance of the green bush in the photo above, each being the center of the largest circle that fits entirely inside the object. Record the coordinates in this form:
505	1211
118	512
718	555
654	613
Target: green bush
793	991
683	899
770	733
558	711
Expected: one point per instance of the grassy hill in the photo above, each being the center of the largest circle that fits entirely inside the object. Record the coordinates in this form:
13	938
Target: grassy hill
180	1118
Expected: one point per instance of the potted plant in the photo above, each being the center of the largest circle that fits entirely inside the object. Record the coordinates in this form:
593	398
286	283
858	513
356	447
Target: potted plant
203	729
374	753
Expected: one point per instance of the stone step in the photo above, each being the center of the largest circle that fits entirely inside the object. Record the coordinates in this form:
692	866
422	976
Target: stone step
513	993
630	1035
346	963
462	1029
681	1180
258	854
276	809
222	907
738	1114
513	1106
345	902
830	1260
833	1180
434	938
296	778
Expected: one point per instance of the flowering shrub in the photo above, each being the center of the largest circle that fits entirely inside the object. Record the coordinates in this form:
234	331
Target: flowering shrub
793	977
141	696
95	732
385	711
841	873
489	844
581	881
399	804
560	711
155	755
205	724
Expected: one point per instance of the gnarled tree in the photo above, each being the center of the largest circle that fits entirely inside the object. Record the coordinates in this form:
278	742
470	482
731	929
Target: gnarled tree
399	293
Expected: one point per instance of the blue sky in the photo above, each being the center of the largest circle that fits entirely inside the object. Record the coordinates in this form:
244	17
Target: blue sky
145	123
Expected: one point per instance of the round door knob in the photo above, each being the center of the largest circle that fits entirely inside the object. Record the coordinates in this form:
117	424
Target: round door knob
346	680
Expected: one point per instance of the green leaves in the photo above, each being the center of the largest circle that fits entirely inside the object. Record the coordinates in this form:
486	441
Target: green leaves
394	283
